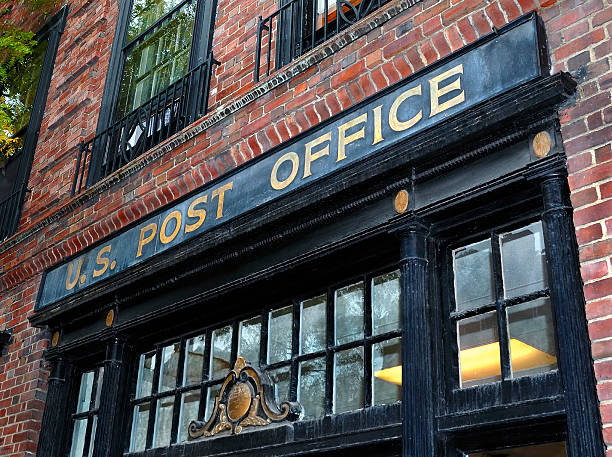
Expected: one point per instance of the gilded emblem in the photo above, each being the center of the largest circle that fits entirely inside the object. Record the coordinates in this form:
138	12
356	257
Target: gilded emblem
246	399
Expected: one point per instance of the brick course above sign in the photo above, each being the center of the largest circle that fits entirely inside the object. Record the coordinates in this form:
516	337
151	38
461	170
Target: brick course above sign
489	67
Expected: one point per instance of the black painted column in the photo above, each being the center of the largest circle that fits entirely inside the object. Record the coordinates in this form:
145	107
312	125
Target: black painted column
113	401
566	290
417	395
55	421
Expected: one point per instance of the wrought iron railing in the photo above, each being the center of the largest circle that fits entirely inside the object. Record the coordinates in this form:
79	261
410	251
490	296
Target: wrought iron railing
171	110
300	25
10	211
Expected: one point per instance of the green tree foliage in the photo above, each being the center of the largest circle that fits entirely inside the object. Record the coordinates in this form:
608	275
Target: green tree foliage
17	51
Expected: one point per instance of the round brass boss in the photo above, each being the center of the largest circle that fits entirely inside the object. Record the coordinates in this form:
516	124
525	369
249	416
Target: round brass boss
400	204
110	318
541	144
55	339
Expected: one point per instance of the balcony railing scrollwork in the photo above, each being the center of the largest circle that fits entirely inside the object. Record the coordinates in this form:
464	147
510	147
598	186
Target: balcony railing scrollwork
300	25
168	112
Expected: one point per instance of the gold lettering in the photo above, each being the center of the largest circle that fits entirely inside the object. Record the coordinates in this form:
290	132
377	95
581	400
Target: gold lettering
144	240
69	283
176	215
394	122
103	261
436	91
220	192
199	213
343	140
377	125
310	157
295	164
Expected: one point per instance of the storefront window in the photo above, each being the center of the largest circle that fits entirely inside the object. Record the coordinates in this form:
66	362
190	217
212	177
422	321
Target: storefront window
295	345
85	419
502	306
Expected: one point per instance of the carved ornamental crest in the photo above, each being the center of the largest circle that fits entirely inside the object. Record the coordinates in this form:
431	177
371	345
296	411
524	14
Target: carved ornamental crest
246	399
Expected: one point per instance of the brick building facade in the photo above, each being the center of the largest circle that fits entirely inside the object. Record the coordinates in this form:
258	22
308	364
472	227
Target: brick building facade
244	120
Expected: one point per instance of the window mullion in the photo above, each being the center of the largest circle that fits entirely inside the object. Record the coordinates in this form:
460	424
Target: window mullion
367	345
329	357
153	404
502	321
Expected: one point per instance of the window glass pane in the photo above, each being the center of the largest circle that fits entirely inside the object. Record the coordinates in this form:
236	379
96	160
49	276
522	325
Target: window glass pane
169	367
249	341
532	338
479	357
99	386
78	437
213	391
387	369
146	12
146	367
281	378
314	324
279	334
349	313
221	352
163	422
158	60
386	303
140	421
524	261
190	402
194	360
85	389
348	380
311	389
92	439
540	450
473	270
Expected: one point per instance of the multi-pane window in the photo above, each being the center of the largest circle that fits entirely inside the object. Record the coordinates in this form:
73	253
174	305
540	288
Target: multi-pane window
502	309
334	351
157	50
85	418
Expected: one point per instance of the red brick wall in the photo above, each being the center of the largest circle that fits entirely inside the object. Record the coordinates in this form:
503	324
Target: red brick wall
579	35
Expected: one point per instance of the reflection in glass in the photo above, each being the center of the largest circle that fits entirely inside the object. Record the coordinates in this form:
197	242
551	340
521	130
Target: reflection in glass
249	341
280	378
313	325
349	313
190	402
163	422
94	426
387	369
532	338
221	352
78	437
473	270
99	386
140	422
157	60
540	450
348	380
194	360
279	334
169	367
524	261
386	303
311	389
146	367
212	393
146	12
85	389
479	358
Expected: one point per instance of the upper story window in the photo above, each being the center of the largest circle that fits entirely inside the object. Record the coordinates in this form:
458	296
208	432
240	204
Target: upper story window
24	95
334	351
157	83
85	416
502	310
300	25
